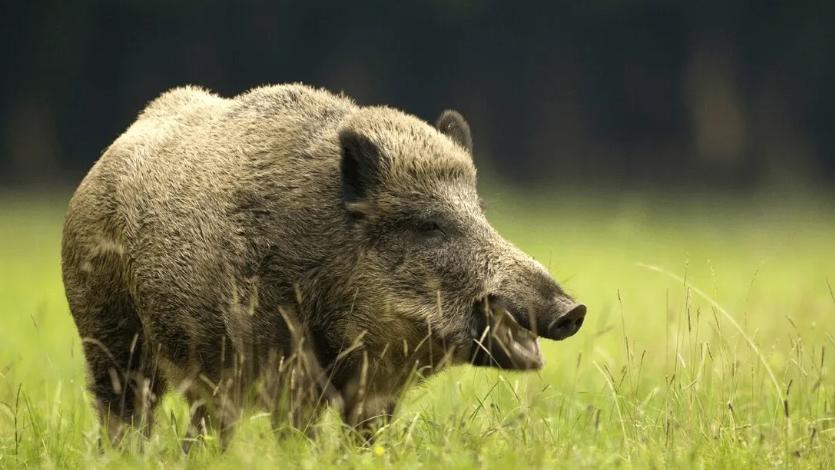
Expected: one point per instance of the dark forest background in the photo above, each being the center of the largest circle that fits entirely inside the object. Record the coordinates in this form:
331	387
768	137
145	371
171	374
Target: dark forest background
595	93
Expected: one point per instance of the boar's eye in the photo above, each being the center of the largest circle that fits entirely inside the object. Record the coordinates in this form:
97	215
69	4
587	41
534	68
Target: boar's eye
429	229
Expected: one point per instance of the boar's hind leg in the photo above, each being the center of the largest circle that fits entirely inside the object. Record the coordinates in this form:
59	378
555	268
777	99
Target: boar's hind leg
122	368
123	375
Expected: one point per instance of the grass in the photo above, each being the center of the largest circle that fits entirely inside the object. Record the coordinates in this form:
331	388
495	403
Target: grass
709	343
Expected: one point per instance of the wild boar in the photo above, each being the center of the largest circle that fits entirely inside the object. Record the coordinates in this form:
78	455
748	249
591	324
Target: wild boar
291	246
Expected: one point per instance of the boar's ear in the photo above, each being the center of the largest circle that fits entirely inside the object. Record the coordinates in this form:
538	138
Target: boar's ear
359	168
453	125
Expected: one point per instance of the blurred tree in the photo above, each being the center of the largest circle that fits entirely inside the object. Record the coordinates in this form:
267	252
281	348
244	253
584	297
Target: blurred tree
618	93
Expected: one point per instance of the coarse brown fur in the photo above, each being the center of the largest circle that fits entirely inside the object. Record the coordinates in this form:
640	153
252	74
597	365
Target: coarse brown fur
290	245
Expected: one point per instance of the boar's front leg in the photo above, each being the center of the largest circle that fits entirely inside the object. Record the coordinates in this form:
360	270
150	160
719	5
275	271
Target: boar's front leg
367	405
295	405
294	387
217	413
366	415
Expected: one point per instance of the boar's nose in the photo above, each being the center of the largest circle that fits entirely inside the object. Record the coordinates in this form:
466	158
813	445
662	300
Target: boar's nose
567	323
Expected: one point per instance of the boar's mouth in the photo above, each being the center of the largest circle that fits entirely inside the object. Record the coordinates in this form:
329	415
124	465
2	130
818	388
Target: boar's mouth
500	341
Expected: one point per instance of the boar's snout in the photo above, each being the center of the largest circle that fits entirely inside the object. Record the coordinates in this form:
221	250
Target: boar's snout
538	303
555	319
506	339
566	323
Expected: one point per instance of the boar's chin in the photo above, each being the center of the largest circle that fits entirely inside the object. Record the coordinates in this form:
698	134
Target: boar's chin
499	340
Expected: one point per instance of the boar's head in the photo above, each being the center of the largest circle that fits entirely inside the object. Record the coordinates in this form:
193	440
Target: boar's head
430	271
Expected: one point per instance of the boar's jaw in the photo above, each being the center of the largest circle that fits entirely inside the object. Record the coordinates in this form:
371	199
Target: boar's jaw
499	340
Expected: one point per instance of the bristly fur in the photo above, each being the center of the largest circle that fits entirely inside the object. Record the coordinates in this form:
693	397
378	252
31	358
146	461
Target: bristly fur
281	244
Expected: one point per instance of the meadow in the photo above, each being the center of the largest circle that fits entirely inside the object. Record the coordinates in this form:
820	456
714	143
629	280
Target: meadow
709	343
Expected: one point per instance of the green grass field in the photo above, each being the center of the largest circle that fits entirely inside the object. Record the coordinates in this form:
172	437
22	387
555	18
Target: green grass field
724	359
